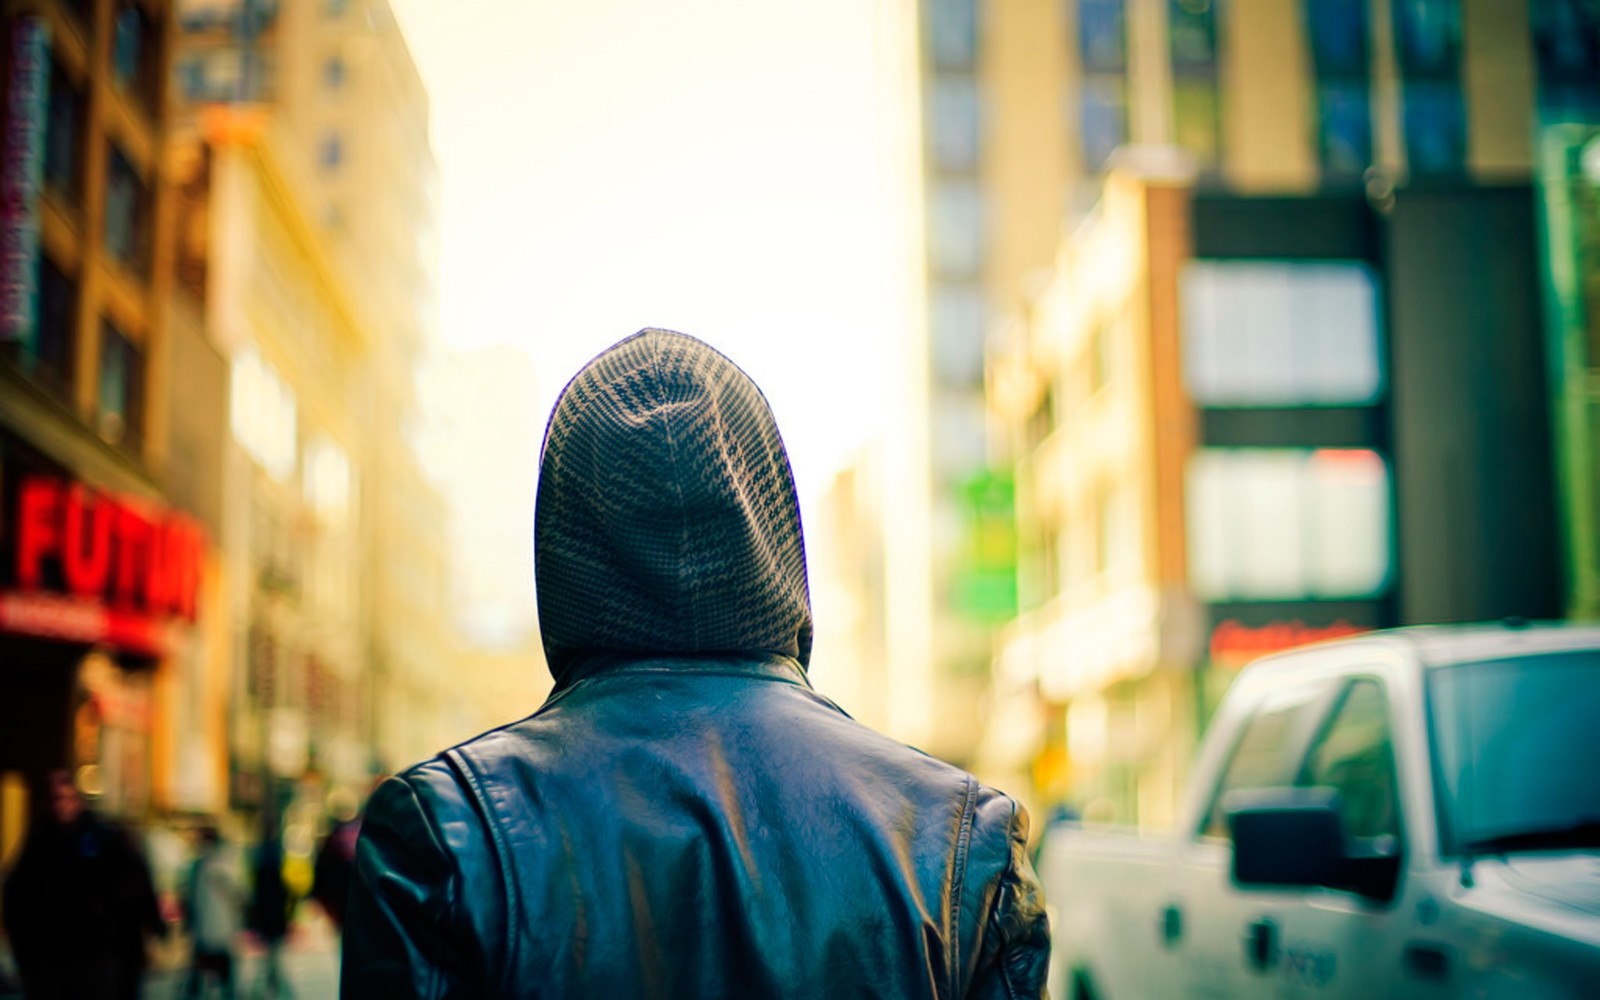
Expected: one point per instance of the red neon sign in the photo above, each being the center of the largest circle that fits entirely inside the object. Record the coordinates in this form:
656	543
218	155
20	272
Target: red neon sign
1235	641
125	564
72	619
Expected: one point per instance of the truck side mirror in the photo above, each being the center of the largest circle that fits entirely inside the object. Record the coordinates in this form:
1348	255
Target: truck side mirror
1285	836
1292	837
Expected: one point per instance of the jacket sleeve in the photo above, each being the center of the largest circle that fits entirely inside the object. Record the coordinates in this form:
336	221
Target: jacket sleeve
1014	957
404	935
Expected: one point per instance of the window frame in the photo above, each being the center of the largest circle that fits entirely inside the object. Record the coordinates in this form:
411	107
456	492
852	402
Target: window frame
1320	693
143	86
141	224
330	152
70	191
132	415
1343	690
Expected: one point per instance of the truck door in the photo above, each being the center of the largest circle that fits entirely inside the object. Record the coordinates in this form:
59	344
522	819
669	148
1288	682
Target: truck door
1206	914
1334	943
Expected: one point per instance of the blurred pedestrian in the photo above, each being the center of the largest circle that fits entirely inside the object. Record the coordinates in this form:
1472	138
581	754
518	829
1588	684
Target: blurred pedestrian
271	906
79	902
215	900
336	857
685	816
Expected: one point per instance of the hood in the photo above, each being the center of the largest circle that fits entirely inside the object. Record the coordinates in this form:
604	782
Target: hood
666	520
1569	879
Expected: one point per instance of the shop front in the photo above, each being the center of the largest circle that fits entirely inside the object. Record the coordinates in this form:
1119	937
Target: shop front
97	588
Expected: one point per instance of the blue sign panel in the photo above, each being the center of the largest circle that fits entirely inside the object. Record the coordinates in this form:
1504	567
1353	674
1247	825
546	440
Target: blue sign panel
22	179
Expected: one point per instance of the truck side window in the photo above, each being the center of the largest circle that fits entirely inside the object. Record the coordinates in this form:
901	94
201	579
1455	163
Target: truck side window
1355	756
1264	757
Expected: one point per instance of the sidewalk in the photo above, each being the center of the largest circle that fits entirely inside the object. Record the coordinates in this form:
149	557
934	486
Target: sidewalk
310	960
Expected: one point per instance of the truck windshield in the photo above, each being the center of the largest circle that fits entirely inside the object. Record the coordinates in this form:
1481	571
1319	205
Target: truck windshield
1513	747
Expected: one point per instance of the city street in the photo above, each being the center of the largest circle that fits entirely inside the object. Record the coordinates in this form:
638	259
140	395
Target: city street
310	959
776	464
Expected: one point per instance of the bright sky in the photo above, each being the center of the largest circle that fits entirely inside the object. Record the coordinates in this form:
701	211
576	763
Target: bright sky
711	166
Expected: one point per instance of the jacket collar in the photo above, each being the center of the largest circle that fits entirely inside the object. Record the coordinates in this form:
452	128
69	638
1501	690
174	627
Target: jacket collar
760	665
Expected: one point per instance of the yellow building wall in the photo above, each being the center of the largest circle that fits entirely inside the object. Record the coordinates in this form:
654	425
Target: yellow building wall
1269	139
1024	156
1497	82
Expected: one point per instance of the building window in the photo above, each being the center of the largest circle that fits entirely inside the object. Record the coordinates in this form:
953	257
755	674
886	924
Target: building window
1103	36
127	226
1274	333
330	152
63	139
960	426
1337	30
956	229
1344	127
264	415
136	54
1102	119
1428	38
220	75
1566	36
1288	524
1435	127
1192	33
333	73
1100	98
952	30
46	353
957	320
82	9
121	401
1428	50
955	114
327	480
1116	531
1197	119
191	75
1102	355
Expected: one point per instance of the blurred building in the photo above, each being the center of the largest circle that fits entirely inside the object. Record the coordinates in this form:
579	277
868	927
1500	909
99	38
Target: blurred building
345	94
500	683
481	444
106	564
344	638
1566	36
844	535
1283	378
297	465
949	578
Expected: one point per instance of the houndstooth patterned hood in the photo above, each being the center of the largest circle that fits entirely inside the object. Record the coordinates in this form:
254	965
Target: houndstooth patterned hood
667	520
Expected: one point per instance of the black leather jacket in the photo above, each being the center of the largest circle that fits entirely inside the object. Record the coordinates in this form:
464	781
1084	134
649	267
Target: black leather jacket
685	816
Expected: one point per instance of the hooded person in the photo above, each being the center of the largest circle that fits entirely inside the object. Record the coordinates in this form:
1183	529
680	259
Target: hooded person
685	816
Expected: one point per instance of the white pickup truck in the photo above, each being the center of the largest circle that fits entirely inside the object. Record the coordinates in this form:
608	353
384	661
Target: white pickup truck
1412	813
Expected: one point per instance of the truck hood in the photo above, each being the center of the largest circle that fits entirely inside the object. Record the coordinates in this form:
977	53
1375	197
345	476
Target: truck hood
1567	878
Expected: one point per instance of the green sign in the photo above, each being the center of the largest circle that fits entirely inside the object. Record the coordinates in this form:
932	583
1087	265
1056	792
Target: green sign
1569	182
984	586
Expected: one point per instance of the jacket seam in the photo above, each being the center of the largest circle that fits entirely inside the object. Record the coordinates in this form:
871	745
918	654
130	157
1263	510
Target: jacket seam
1007	878
692	671
677	487
799	676
467	774
452	879
963	839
